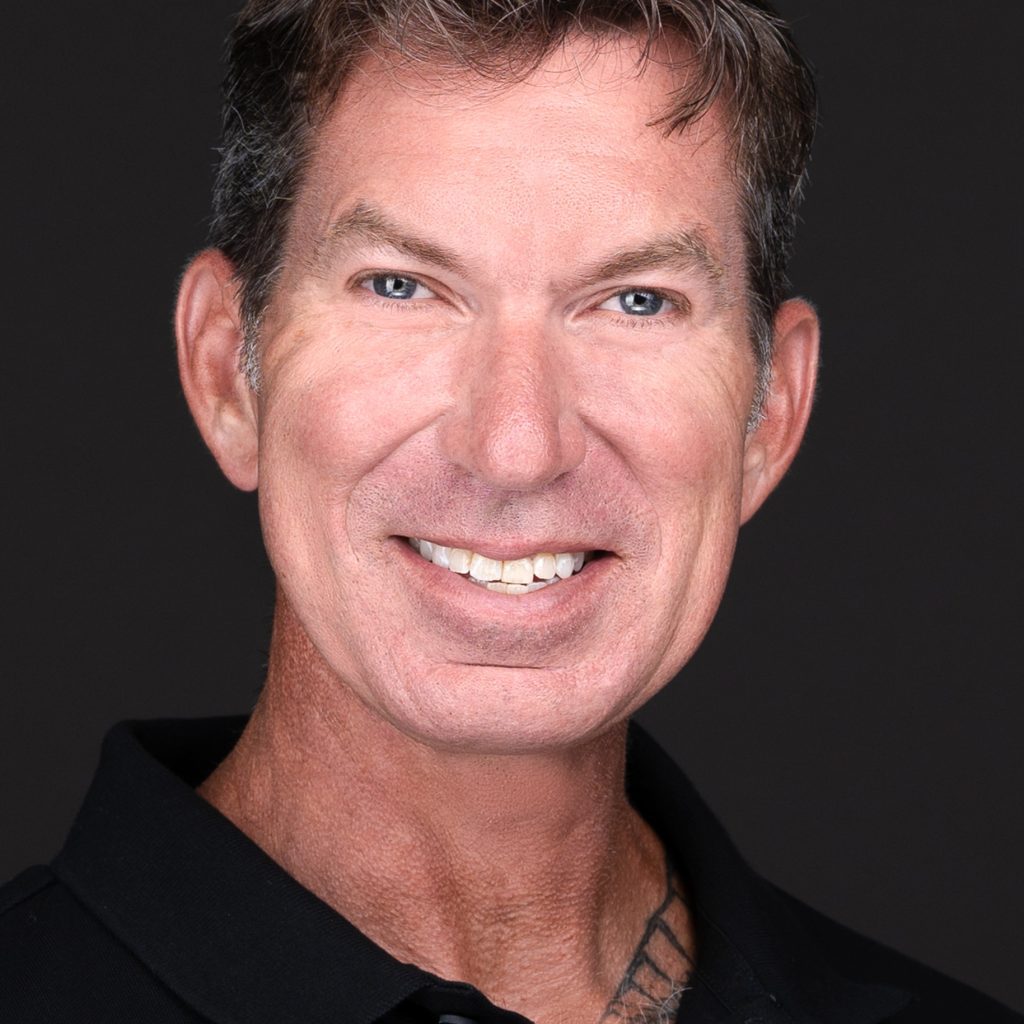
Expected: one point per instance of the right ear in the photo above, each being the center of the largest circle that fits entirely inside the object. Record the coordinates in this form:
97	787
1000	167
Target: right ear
208	326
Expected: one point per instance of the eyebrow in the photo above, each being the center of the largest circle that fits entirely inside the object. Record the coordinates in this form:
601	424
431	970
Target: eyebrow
364	225
686	249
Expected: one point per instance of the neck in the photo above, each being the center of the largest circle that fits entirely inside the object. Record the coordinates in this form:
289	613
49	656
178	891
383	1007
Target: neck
528	876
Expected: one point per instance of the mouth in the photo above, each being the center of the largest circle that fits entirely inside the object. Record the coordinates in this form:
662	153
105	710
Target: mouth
516	577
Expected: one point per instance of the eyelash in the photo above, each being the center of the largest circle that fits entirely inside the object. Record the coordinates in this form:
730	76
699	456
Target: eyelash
642	323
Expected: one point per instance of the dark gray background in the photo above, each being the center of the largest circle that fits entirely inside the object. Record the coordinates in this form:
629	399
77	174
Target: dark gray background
854	714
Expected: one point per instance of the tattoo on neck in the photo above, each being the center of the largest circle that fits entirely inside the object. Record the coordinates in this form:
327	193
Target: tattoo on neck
656	978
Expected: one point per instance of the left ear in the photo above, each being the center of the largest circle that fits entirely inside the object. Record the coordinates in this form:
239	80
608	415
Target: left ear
772	445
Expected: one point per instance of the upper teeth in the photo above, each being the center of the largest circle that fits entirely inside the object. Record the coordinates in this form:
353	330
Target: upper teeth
514	576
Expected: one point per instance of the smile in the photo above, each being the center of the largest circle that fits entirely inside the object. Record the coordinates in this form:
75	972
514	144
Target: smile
516	576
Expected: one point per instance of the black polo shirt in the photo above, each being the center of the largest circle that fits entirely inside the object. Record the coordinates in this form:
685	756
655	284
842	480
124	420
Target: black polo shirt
159	911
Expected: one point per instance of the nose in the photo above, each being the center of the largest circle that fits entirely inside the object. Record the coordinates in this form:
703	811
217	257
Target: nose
515	424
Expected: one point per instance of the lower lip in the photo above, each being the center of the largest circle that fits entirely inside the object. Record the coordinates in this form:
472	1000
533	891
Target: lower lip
570	598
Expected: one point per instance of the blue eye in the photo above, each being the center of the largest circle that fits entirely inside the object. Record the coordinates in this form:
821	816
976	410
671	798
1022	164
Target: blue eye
637	302
395	286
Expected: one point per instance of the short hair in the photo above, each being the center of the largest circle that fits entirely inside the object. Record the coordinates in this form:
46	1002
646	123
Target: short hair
288	59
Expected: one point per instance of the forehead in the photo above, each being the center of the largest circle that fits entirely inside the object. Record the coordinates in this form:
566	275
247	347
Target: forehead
572	152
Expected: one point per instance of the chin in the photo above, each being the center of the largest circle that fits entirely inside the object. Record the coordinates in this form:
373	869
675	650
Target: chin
489	709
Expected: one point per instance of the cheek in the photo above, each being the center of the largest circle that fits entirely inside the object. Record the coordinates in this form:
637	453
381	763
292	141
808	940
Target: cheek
678	423
332	433
678	420
338	404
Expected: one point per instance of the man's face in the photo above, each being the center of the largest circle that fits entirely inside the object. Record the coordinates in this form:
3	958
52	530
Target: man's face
511	322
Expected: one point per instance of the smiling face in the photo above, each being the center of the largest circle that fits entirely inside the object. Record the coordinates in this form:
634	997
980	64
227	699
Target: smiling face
511	324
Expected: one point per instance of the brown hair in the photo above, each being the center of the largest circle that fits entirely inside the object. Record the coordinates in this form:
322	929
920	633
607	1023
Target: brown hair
287	59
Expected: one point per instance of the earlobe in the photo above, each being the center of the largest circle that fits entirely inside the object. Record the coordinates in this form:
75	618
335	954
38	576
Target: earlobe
773	444
209	335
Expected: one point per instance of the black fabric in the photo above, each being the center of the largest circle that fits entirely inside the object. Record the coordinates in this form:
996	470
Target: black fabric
158	910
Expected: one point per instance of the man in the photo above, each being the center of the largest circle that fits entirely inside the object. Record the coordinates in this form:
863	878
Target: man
494	321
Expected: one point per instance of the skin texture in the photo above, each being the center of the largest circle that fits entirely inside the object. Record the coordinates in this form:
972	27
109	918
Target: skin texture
440	763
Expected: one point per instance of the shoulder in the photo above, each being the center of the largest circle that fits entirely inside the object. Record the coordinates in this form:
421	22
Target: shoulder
59	964
35	909
938	999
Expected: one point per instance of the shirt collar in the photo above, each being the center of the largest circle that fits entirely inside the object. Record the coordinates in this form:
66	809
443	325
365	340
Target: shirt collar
236	937
205	908
753	955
